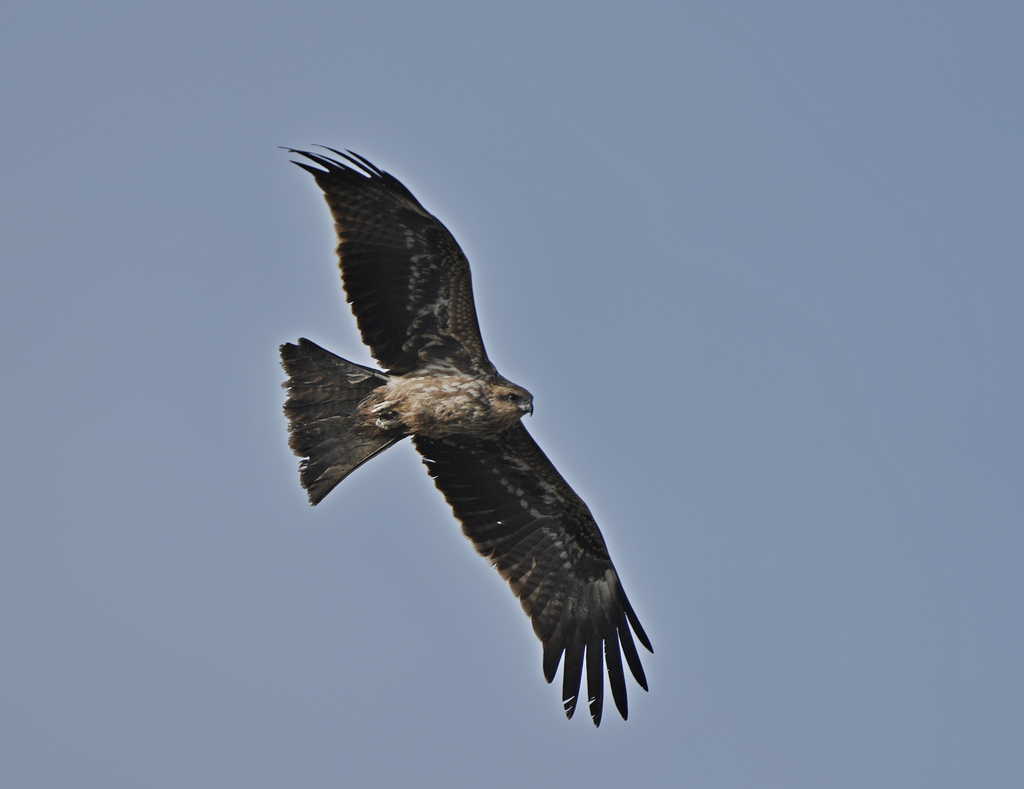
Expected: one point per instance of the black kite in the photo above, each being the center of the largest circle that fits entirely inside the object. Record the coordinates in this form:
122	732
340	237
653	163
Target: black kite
409	286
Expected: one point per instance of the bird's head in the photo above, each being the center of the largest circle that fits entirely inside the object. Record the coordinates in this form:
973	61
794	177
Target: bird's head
510	400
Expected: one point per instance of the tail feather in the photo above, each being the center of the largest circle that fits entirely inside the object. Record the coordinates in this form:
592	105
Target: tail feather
324	392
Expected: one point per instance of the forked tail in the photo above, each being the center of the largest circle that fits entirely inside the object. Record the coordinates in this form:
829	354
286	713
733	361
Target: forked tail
325	426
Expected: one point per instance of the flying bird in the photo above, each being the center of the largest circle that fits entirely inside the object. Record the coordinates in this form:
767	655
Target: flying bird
409	286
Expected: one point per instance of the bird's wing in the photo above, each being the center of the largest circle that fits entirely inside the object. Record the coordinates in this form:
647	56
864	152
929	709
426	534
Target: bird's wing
526	520
403	272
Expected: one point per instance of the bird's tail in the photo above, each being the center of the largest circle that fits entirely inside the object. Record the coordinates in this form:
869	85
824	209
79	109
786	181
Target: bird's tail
325	426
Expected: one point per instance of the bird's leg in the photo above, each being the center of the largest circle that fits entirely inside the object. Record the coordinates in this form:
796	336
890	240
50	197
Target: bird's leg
384	416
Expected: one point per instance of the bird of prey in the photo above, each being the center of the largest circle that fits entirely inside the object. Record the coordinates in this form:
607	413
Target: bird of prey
409	286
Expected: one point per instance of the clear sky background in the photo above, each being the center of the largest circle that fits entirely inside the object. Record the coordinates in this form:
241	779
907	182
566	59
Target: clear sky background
762	266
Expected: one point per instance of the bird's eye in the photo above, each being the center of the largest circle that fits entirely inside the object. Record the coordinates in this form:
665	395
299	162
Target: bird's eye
513	397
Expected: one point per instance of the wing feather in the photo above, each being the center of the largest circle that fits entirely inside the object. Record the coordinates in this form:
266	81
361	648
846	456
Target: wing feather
540	536
404	274
615	676
595	677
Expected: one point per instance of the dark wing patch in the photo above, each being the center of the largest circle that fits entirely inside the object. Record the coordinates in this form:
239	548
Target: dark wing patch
525	519
404	274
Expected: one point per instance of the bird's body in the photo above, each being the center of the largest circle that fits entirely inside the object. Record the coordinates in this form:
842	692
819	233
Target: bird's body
439	403
409	286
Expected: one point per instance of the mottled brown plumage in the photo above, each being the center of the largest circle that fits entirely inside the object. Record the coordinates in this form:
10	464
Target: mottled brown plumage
410	289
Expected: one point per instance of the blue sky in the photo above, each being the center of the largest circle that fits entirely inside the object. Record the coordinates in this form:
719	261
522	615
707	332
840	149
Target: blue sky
760	266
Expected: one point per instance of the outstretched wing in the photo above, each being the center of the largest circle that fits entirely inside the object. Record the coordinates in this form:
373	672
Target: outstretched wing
404	275
526	520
